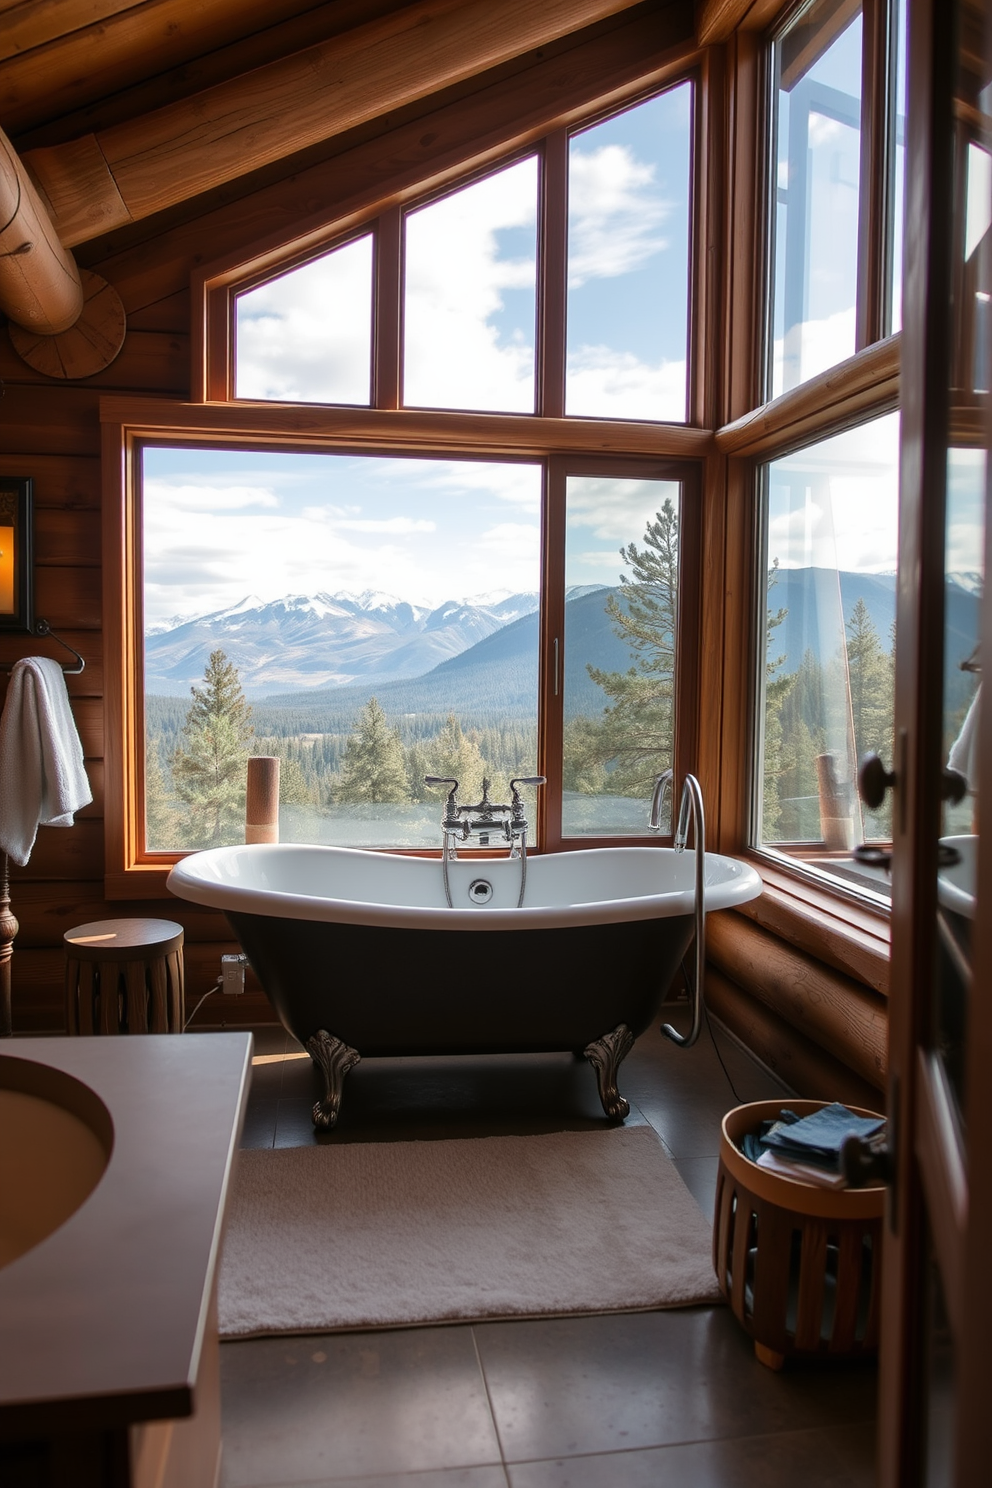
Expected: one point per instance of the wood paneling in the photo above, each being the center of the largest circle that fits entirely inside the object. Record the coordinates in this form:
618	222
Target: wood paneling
150	360
69	598
802	1065
250	121
48	420
89	644
67	69
63	852
46	910
847	1020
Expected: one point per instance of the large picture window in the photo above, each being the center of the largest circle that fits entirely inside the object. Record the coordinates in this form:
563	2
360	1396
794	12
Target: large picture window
372	619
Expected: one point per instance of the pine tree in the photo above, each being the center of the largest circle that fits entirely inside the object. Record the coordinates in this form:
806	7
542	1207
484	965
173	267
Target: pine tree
872	684
163	827
453	754
636	732
872	674
777	689
373	768
210	763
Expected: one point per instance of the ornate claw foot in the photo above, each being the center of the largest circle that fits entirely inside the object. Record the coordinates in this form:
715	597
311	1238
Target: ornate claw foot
606	1055
334	1059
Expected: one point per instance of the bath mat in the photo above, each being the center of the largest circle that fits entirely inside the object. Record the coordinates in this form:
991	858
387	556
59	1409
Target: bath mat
398	1234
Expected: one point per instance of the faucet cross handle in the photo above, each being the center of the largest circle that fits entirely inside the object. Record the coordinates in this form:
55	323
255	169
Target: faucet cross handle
451	809
518	805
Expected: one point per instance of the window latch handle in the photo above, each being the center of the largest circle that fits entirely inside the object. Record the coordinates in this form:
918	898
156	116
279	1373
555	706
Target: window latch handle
873	781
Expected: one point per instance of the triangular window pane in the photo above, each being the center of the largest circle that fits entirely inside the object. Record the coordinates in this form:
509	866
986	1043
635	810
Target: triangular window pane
469	309
628	262
306	337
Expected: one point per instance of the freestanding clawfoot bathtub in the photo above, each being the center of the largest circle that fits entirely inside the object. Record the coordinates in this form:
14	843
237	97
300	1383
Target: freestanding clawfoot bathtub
360	954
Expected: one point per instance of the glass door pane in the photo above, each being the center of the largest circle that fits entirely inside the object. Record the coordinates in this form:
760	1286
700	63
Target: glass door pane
621	621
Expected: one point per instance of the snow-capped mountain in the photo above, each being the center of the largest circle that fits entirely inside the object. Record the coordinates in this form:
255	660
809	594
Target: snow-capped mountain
323	640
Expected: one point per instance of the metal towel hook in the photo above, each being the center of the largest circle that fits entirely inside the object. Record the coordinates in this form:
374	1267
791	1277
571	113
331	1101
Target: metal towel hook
42	628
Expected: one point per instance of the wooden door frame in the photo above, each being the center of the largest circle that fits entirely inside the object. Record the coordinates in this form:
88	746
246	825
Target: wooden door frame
941	1196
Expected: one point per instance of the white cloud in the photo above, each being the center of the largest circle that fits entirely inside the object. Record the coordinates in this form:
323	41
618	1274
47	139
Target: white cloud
396	526
204	497
614	214
604	383
203	551
615	511
835	504
456	271
810	347
307	336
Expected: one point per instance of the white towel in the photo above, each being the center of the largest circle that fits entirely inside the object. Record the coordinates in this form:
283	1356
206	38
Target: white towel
963	755
42	777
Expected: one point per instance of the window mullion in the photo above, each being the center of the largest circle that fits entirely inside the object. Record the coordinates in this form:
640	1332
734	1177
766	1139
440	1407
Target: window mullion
873	235
552	276
551	669
387	379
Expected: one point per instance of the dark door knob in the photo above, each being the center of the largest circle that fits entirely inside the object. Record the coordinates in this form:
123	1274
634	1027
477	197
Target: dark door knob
873	781
953	786
866	1164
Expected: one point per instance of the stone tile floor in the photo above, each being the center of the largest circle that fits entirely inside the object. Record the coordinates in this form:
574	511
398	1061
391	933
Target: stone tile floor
641	1399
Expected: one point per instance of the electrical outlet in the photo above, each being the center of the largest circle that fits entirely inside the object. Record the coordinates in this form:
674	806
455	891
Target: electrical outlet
233	973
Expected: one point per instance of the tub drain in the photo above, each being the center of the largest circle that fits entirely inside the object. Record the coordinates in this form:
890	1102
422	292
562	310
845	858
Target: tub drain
480	891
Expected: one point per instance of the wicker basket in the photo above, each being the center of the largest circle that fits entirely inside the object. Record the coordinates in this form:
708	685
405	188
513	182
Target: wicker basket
799	1264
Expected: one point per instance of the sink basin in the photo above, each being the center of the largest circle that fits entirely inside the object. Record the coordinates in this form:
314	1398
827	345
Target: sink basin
57	1138
956	886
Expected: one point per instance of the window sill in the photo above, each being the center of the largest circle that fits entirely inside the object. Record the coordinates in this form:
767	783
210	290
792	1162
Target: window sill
852	937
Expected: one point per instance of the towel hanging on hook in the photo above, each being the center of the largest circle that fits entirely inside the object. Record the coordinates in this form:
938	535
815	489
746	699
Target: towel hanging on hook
42	628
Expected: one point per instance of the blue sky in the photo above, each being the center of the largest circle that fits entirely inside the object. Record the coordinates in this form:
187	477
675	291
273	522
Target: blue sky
470	302
223	524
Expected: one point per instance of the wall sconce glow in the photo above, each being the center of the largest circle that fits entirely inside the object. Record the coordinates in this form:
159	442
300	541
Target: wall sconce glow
6	570
16	559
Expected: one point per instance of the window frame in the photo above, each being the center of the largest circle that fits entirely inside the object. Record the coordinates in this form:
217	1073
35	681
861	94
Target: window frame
876	192
131	871
831	922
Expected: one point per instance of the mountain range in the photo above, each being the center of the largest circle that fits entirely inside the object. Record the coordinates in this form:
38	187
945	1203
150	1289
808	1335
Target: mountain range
476	658
323	640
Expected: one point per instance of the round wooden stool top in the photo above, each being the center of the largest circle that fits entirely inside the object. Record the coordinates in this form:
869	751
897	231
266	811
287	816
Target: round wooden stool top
123	940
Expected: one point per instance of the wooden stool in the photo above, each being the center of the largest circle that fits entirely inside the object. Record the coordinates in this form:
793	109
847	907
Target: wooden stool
124	976
799	1265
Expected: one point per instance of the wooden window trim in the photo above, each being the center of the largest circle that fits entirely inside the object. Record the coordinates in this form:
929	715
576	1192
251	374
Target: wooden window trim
578	446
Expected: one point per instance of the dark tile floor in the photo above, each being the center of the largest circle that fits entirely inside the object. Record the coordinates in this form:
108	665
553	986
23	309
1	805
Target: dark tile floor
642	1399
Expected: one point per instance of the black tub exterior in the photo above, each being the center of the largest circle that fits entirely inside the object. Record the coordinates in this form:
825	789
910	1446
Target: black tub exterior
388	991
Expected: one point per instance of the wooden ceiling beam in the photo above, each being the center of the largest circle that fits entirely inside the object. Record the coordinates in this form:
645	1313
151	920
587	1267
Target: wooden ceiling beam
132	81
32	23
130	171
135	42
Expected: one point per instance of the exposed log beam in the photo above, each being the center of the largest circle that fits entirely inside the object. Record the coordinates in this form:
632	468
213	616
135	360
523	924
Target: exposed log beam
717	20
32	23
40	287
121	76
838	1014
192	146
112	52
